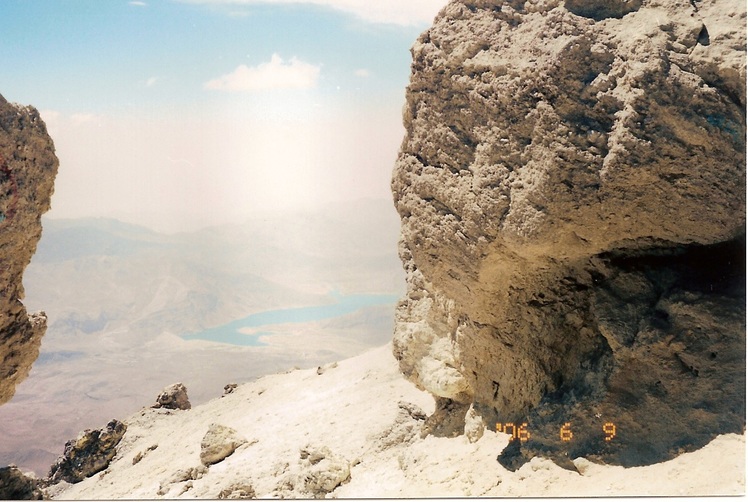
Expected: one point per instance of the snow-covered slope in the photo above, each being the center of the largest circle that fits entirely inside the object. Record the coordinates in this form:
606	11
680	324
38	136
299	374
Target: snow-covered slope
351	429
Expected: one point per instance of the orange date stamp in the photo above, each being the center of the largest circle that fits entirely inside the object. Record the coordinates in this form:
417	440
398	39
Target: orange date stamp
521	432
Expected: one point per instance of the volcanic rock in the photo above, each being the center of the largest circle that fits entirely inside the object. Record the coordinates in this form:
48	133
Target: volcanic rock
28	167
218	443
321	472
572	195
14	485
237	491
90	453
173	397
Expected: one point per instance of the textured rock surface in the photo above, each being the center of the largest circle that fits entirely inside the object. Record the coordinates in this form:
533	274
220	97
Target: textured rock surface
237	491
404	430
320	472
14	485
572	195
28	167
173	397
218	443
90	453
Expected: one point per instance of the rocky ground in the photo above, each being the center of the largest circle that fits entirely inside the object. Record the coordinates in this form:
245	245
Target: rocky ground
352	429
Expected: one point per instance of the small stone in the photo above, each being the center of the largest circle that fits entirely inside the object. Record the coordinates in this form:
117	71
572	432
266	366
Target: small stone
239	491
475	426
582	465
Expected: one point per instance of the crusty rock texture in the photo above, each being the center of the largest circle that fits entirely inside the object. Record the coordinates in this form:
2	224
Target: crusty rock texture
15	485
90	453
173	397
218	443
318	473
28	167
572	195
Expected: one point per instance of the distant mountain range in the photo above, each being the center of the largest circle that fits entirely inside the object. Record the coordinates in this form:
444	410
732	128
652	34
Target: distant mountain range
119	296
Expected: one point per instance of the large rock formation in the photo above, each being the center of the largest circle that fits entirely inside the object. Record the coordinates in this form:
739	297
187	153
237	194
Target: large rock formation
28	167
572	195
90	453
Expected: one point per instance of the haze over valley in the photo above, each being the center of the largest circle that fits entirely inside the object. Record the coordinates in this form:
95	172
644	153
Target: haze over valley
120	298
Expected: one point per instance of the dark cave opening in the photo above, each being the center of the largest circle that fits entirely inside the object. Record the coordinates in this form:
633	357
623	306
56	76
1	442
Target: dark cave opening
711	269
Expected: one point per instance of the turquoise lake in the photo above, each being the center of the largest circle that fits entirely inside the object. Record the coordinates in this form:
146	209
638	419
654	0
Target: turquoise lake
346	304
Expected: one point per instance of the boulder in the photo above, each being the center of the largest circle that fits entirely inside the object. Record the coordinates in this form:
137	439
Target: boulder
173	397
572	196
28	167
89	454
218	443
15	485
317	473
322	472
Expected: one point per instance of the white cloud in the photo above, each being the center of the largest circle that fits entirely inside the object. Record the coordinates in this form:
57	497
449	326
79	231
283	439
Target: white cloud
402	12
363	73
50	116
151	81
276	74
138	3
84	118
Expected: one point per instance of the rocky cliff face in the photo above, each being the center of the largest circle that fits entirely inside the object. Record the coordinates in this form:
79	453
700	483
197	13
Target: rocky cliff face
572	195
28	166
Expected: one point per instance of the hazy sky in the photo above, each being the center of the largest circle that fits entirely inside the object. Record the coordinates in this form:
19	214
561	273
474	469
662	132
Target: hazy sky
180	113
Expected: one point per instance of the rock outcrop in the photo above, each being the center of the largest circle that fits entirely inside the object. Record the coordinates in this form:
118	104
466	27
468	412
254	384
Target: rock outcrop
572	195
89	454
28	167
15	485
173	397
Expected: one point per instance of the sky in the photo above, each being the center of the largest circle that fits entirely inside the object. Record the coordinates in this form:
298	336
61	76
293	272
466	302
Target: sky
178	114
